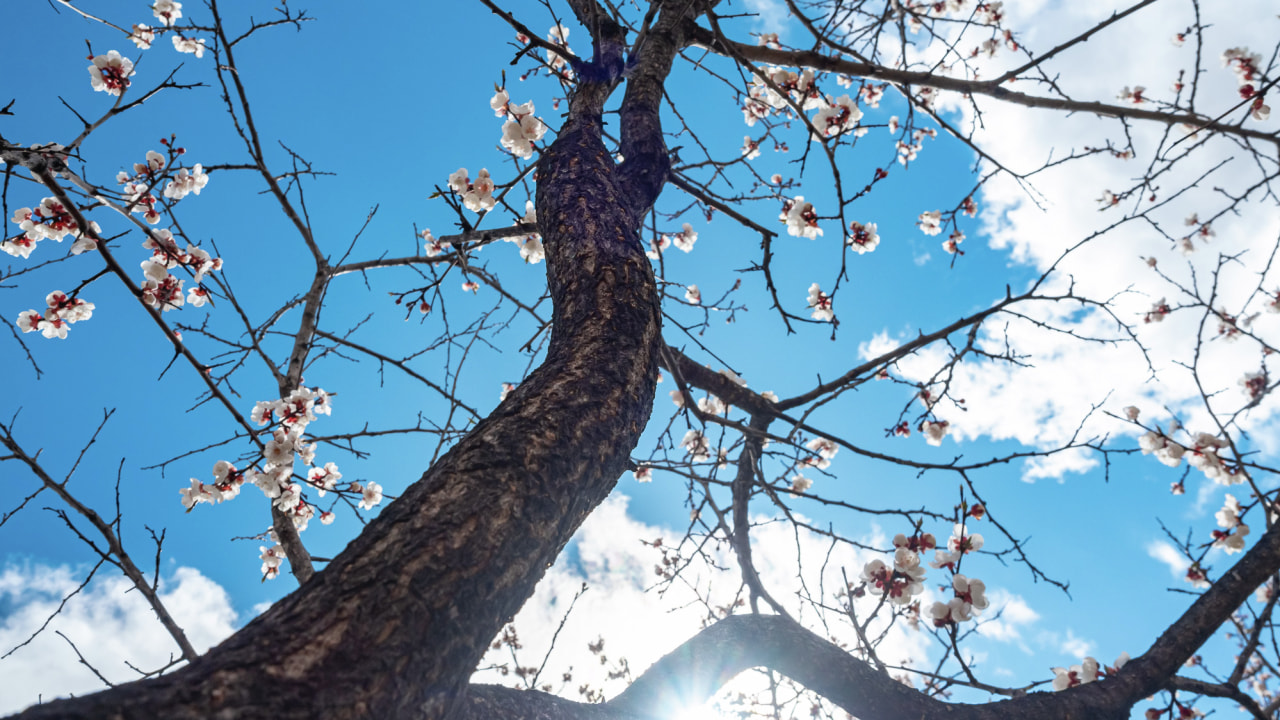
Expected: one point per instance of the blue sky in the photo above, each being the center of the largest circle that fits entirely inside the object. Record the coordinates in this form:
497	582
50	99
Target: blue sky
392	106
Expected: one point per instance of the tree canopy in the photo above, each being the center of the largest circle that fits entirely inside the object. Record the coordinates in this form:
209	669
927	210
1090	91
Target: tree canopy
959	247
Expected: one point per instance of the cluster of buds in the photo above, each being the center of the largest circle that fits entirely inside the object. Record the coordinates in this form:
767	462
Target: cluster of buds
62	311
1086	672
49	220
276	479
1244	65
522	129
163	290
901	582
801	218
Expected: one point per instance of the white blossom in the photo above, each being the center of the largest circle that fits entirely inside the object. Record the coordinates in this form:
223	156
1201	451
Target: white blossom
801	219
193	46
167	11
820	304
930	222
110	73
370	495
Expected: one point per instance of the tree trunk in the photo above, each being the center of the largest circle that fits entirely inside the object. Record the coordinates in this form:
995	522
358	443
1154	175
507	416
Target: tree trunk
396	624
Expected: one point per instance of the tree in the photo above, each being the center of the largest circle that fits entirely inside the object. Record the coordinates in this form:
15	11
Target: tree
396	623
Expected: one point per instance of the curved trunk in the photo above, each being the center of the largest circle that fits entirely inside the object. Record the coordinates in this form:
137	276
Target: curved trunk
396	624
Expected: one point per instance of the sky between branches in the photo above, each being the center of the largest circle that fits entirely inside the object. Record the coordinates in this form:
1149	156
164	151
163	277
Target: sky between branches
393	110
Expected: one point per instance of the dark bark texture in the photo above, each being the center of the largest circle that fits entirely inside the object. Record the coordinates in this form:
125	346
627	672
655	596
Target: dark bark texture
396	624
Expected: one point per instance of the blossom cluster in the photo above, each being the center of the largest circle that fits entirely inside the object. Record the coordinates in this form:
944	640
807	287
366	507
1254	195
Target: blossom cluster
712	405
192	46
1201	453
272	556
185	182
862	238
792	87
522	129
1244	65
167	11
159	289
531	248
840	116
163	290
934	431
683	240
970	595
49	220
276	479
697	445
952	243
1159	309
1204	232
778	89
1254	384
820	304
930	222
869	93
990	14
558	35
477	195
137	189
801	218
1089	670
662	242
110	73
824	452
898	584
901	582
287	442
433	245
62	311
984	13
908	151
1231	537
1134	96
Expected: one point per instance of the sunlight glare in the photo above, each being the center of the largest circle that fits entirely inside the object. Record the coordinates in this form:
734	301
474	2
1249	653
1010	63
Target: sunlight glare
699	712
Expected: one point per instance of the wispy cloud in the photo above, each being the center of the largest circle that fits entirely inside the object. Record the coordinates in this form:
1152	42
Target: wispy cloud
638	620
771	15
109	622
1169	555
1010	616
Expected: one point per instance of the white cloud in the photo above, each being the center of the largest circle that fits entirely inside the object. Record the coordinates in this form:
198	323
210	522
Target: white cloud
109	622
1170	556
771	15
1206	497
878	345
642	623
1010	615
1043	405
1075	646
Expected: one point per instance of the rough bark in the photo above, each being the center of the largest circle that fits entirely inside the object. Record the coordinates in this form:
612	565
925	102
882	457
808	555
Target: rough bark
396	624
